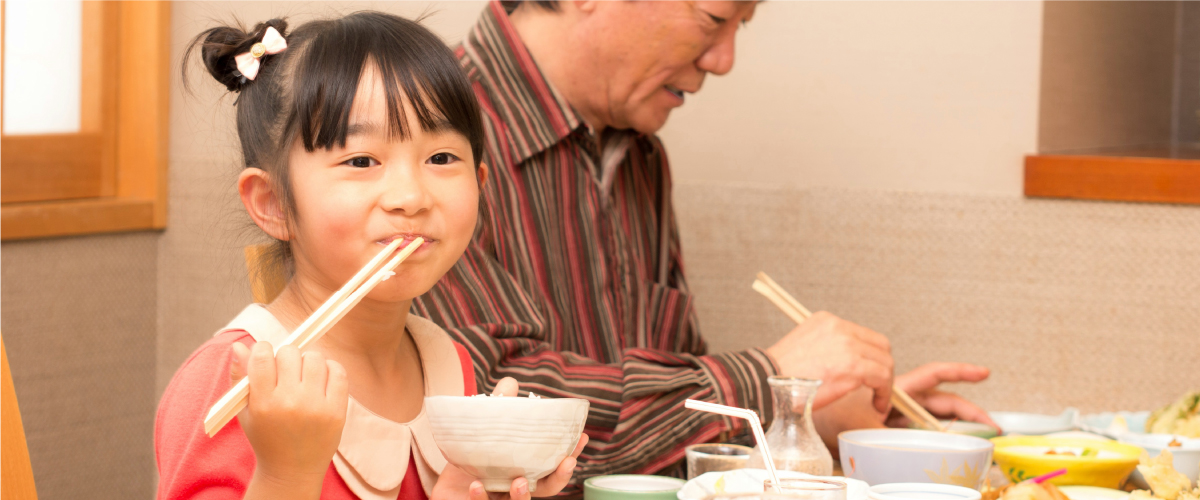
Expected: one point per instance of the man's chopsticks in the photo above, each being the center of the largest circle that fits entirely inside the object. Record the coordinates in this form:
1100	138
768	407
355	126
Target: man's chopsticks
788	304
321	320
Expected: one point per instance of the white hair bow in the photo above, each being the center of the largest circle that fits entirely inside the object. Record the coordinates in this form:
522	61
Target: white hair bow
272	43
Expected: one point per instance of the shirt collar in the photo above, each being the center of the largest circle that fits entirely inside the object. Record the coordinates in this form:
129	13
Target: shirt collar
534	113
373	455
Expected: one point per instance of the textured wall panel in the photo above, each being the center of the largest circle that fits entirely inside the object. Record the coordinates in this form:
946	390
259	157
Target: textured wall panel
78	323
1085	304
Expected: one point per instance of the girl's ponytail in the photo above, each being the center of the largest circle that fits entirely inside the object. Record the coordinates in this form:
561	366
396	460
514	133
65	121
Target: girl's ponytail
219	46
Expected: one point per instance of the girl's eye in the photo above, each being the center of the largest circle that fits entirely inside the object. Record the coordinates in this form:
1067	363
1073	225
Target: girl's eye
361	162
442	159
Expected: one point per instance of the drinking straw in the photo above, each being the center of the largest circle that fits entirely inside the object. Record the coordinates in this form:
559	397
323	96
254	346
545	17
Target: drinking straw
755	426
1046	477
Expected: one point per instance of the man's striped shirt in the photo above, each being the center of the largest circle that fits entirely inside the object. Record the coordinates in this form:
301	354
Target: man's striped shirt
574	284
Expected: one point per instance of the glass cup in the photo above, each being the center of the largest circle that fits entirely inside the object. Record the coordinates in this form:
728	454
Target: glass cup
810	489
715	457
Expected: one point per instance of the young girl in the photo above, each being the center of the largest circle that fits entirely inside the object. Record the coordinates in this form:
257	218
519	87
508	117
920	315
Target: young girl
355	132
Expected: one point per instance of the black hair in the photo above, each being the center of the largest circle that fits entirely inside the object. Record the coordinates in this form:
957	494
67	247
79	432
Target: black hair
511	5
306	92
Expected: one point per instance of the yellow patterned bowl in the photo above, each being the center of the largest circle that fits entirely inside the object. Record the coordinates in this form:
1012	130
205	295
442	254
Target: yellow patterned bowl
1088	462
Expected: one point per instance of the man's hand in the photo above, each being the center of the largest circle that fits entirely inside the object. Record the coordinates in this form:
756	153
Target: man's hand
922	384
843	355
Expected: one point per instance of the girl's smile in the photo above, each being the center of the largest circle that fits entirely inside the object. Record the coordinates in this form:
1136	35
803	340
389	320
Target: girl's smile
408	238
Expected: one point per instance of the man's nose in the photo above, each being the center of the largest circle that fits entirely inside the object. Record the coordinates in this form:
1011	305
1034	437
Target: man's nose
718	59
405	192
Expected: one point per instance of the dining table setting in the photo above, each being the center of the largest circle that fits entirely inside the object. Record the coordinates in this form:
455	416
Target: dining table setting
1125	455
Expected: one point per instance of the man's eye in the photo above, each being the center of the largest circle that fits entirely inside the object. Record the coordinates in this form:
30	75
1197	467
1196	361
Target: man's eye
361	162
718	20
442	159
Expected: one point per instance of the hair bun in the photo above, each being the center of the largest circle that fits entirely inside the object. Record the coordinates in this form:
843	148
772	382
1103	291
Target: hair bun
222	44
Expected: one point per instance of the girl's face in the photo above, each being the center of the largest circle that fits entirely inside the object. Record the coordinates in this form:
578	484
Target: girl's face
351	201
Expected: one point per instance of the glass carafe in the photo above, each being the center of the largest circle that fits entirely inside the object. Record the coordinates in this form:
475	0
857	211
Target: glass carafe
795	444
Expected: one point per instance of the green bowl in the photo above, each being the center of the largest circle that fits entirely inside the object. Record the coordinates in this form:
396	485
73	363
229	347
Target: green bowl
631	487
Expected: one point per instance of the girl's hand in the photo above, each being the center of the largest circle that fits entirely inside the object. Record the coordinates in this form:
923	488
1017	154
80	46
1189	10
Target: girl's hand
454	482
296	411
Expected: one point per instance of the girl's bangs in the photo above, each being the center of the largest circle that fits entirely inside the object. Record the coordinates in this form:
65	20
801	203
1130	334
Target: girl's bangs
412	64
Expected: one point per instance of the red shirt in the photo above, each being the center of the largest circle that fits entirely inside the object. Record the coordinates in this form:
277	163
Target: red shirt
194	466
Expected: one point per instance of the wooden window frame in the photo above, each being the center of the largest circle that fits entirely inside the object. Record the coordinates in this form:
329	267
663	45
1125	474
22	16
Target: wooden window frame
1113	178
132	140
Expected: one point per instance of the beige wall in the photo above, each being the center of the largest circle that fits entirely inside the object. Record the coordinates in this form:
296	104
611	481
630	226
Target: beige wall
1070	303
915	96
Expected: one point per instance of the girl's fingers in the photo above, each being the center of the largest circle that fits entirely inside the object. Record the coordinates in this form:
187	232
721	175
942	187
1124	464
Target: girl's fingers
239	358
314	372
337	389
557	480
287	366
261	369
519	489
507	386
561	477
476	492
583	441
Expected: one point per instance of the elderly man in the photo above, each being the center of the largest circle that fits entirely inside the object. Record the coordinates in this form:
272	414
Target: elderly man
575	283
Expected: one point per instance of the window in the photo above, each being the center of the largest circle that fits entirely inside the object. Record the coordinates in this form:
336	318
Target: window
84	143
1120	102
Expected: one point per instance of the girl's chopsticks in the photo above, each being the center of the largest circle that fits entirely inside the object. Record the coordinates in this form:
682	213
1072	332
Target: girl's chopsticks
791	307
321	320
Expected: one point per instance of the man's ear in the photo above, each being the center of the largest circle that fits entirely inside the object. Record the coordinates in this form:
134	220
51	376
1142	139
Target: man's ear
481	174
263	203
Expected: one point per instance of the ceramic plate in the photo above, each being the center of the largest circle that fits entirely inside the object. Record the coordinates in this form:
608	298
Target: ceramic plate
923	491
631	487
1034	424
751	481
1099	422
1092	493
976	429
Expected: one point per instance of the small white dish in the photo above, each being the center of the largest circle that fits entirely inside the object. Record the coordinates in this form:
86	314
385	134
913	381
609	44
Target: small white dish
752	481
1102	423
1185	457
631	487
1078	435
922	491
1034	424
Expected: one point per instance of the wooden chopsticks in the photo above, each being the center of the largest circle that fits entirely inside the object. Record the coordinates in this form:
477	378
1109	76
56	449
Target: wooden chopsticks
766	286
321	320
